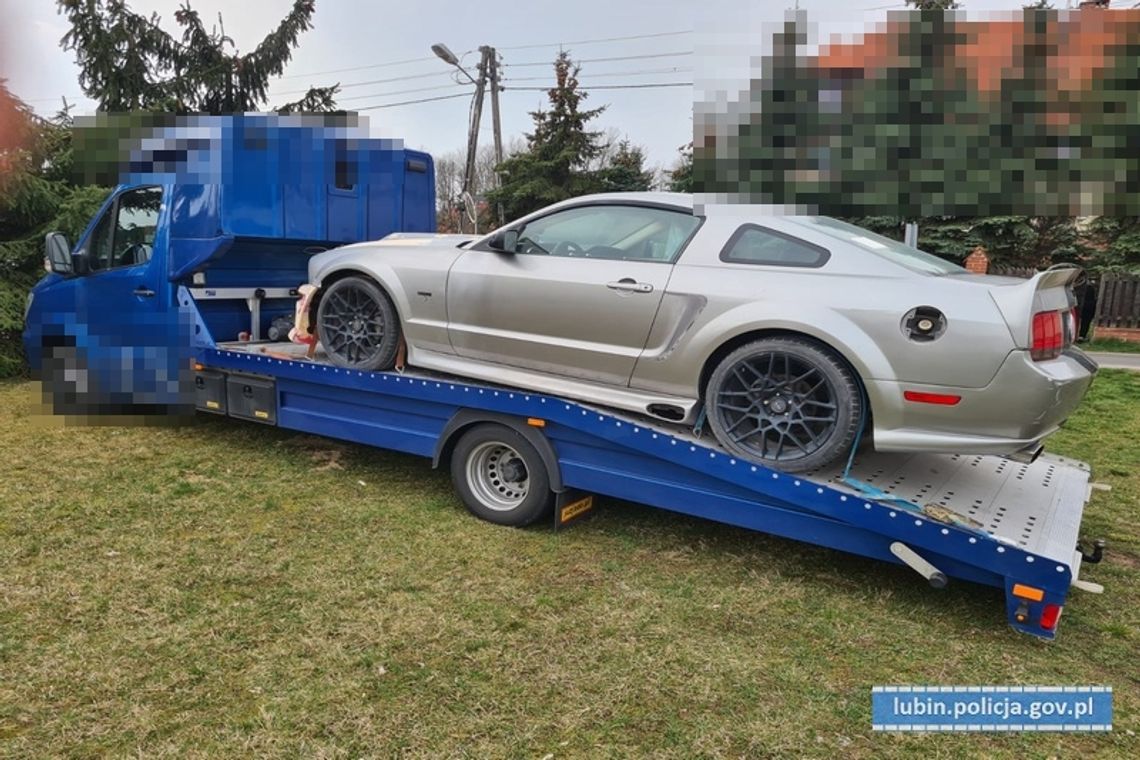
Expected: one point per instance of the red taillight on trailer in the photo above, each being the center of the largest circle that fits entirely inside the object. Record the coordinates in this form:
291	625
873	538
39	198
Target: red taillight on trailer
1048	336
1049	616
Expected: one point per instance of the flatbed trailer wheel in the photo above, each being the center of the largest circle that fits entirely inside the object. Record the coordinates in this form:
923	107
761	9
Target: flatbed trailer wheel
500	476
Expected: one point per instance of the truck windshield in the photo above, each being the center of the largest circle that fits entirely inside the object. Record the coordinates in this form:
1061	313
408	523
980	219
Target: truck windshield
893	250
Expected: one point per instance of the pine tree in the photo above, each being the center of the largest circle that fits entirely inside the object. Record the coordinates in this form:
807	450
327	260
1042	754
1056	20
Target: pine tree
681	175
553	167
626	171
127	62
933	5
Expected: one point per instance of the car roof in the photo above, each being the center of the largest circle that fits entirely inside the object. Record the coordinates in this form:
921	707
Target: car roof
682	201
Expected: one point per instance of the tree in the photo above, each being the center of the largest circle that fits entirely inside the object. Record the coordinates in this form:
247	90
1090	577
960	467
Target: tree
553	167
681	175
933	5
35	198
626	171
127	62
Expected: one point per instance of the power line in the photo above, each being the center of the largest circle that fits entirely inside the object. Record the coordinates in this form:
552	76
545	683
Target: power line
595	41
602	60
401	92
613	86
410	102
385	64
441	73
673	70
360	68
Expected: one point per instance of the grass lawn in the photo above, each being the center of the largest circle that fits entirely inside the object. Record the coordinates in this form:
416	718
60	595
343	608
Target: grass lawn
1112	344
230	589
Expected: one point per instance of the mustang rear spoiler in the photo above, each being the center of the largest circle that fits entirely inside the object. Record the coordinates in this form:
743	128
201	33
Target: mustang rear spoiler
1044	291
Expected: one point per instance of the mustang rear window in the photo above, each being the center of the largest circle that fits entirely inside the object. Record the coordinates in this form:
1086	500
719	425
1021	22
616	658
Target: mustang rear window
892	250
752	244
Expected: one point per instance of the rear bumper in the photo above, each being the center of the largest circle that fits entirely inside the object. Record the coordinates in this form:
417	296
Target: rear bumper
1024	403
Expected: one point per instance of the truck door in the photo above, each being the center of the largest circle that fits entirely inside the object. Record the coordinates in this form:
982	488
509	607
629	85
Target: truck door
127	342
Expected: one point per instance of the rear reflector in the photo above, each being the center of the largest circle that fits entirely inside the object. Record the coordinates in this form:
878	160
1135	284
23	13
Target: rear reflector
931	398
1048	335
1049	616
1022	591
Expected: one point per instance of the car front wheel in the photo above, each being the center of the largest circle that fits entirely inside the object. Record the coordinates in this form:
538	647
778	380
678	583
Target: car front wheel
357	325
784	402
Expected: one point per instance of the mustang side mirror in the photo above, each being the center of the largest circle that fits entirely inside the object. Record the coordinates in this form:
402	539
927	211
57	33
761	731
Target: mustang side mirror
57	254
504	242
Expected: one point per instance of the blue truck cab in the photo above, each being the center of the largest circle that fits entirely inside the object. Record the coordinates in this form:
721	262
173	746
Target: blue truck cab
231	207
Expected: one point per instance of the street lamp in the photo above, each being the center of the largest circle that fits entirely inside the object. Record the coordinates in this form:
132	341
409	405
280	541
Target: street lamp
443	52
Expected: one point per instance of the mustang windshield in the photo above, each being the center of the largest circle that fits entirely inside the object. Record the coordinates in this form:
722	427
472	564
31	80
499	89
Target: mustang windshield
893	250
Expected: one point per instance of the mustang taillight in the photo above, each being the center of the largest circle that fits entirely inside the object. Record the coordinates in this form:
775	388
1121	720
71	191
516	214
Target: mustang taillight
1048	335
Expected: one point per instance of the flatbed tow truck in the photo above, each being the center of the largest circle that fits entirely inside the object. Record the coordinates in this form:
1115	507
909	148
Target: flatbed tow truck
982	519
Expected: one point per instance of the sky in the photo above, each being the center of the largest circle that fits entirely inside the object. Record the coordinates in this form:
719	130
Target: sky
663	41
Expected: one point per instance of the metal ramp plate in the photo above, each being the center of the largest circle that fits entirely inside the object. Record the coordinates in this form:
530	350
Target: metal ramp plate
1036	506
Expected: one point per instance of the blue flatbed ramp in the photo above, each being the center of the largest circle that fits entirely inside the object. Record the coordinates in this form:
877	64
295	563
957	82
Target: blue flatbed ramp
983	519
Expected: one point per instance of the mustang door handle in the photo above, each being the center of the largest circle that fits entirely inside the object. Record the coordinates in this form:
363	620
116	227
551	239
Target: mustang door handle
143	292
630	285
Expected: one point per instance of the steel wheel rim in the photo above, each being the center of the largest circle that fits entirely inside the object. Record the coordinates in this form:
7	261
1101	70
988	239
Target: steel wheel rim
497	476
777	406
352	324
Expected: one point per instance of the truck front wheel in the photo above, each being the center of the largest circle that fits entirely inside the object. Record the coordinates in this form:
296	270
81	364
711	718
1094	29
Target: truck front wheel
500	476
358	325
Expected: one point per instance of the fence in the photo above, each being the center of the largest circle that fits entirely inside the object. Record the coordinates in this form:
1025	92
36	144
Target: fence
1118	301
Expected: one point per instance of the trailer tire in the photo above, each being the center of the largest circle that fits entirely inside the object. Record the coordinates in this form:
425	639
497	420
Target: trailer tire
787	403
500	476
358	325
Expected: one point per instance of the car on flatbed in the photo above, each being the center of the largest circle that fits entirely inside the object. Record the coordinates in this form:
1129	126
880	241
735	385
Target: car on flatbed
790	334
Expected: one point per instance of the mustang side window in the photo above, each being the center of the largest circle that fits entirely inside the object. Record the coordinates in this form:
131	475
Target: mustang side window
627	233
752	244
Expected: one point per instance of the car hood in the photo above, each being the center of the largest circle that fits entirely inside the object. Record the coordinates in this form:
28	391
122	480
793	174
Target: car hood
422	243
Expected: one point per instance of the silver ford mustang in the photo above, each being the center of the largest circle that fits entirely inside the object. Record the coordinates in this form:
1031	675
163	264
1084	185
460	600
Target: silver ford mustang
790	334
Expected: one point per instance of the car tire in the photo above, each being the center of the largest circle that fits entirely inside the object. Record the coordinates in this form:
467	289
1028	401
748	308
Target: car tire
358	325
787	403
500	476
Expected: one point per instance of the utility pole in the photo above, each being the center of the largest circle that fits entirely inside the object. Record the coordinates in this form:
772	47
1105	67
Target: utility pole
488	71
473	141
498	129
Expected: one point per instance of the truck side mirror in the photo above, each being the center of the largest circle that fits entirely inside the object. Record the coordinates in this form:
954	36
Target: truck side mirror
58	253
504	242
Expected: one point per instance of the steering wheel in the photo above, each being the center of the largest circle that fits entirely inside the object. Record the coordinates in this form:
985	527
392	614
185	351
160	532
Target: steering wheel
132	254
567	248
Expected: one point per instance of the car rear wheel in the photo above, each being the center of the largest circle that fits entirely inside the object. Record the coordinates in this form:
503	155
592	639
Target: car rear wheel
357	325
784	402
500	476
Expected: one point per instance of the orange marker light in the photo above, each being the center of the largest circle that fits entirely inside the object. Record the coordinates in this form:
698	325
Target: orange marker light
1028	592
535	422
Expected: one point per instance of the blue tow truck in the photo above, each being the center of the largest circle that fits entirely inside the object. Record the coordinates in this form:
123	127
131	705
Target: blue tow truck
180	291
